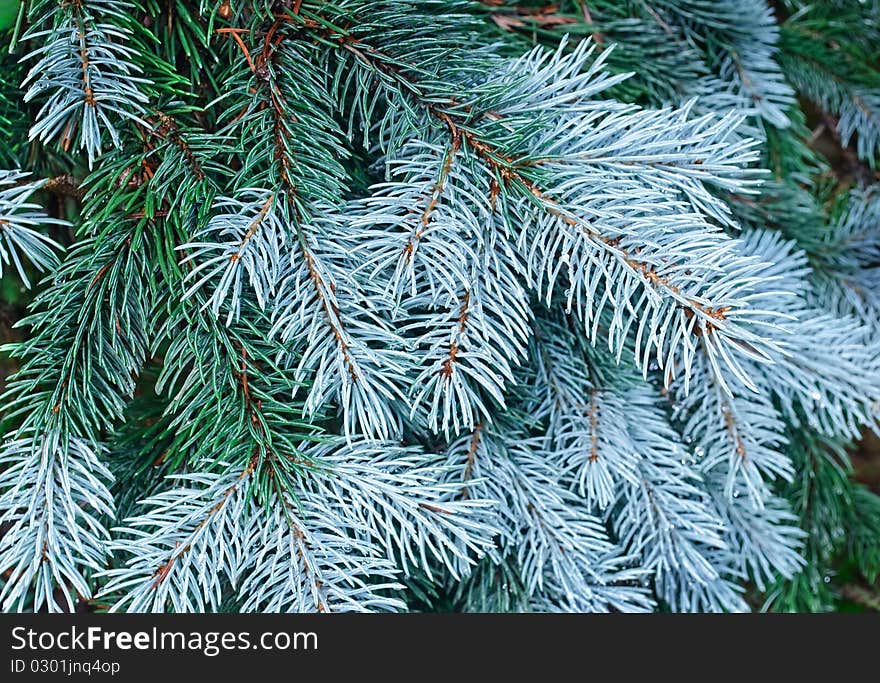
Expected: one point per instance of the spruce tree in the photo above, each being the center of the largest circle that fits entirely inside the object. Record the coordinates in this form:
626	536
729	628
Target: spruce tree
439	305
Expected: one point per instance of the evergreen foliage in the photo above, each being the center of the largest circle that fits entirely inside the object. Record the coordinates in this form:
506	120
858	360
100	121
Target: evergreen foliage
442	305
